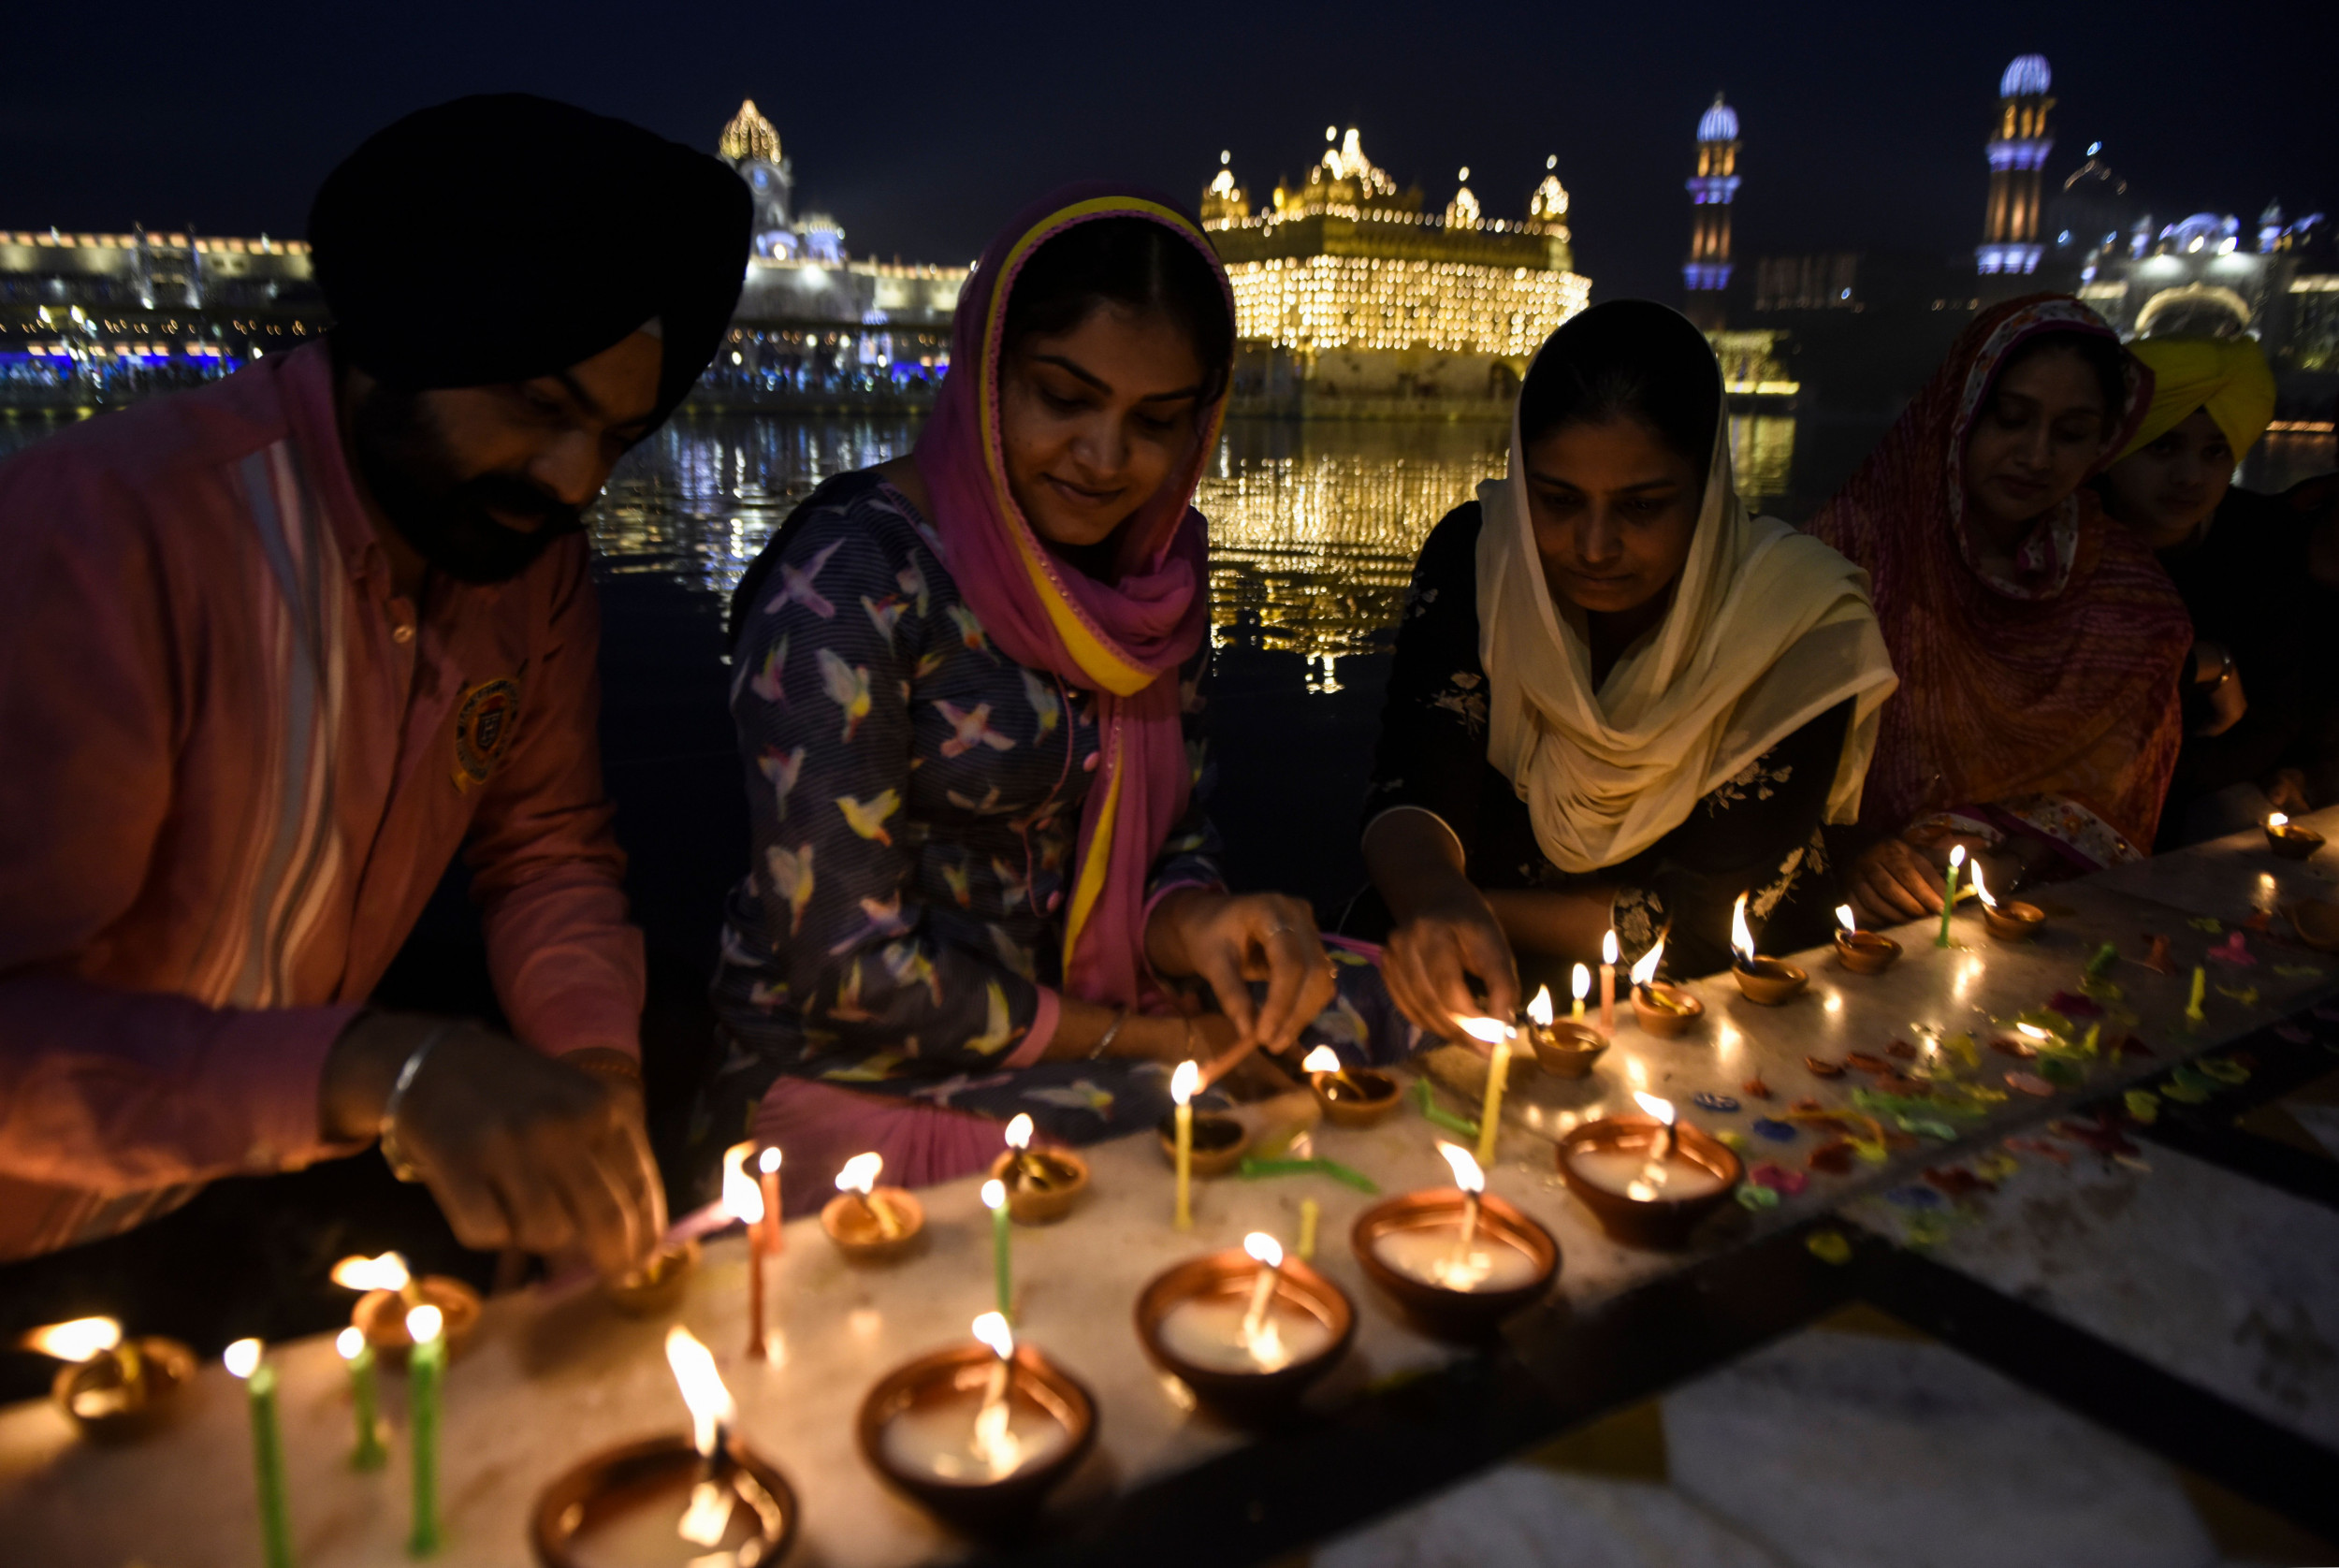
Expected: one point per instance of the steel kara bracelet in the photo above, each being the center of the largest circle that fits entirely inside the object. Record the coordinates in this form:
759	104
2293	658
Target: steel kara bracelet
400	1166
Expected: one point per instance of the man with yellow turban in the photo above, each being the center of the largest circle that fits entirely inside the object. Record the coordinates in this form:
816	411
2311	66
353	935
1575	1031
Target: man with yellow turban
2232	555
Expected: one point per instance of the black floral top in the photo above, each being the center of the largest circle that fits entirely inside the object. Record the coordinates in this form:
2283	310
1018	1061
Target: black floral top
1758	832
915	801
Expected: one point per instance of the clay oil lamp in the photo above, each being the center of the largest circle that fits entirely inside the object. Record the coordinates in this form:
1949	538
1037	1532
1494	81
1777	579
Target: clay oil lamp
1216	1141
703	1498
388	1292
2290	841
112	1388
867	1223
1647	1179
2008	923
1565	1048
980	1433
1768	981
1863	952
657	1287
1662	1007
1457	1260
2316	923
1248	1330
1042	1184
1350	1096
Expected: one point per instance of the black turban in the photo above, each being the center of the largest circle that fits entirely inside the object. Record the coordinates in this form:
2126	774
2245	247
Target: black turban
506	236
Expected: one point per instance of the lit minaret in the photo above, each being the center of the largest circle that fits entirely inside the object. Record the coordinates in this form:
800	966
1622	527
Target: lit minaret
1706	272
2018	155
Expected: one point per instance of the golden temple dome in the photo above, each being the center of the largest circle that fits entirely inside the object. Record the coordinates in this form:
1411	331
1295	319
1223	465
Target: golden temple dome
750	136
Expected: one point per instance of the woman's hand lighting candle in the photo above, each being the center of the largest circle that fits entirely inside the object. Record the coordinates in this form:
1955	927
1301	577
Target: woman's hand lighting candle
1184	1084
1579	982
743	1200
364	1400
1499	1035
995	1200
1949	900
1609	952
425	1370
267	1449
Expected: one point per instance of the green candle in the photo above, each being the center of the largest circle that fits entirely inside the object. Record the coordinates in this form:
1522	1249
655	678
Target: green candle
1957	858
424	1369
995	1200
370	1454
268	1451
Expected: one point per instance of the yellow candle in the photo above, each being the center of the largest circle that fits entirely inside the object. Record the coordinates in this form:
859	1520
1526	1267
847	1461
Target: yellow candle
2201	989
1499	1035
1184	1084
1310	1214
1580	982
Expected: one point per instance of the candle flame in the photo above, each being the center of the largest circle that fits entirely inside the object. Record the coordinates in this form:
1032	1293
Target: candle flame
1741	937
385	1273
2279	820
1982	889
1265	1248
1467	1175
1019	1131
78	1340
1645	972
2033	1031
243	1358
861	1173
1660	1109
1609	951
703	1388
1844	918
425	1323
768	1161
1186	1082
743	1198
350	1344
1490	1031
1539	1011
1322	1059
994	1194
991	1330
1579	982
1957	856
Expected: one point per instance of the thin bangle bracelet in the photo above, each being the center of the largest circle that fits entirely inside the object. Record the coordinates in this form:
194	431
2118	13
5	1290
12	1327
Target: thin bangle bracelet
1112	1032
392	1151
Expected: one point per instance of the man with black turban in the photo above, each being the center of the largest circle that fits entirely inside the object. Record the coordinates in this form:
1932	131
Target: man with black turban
272	651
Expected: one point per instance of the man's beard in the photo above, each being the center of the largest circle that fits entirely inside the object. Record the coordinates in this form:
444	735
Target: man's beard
448	519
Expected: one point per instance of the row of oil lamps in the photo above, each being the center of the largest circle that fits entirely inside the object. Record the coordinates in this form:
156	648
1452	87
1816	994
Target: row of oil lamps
980	1433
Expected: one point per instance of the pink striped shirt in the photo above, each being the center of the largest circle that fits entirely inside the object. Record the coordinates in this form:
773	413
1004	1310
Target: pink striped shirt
234	764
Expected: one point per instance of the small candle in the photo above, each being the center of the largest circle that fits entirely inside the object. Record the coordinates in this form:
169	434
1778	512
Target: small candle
1644	974
1182	1086
995	1200
1579	980
995	1442
1949	902
385	1273
743	1199
767	1176
426	1369
268	1450
1844	918
1325	1059
859	1177
1608	954
2201	989
364	1401
1495	1033
2279	820
1024	1168
708	1520
1311	1215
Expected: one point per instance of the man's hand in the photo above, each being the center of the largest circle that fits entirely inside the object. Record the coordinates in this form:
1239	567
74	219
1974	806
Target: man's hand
1431	958
519	1151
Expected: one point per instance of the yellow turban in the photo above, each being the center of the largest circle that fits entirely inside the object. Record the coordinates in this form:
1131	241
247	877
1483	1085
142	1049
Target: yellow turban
2228	376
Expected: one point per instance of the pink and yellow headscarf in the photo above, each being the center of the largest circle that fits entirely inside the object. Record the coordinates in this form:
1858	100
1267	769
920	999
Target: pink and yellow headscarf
1125	639
2228	376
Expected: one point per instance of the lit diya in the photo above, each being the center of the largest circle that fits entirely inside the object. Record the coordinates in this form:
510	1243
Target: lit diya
870	1224
1213	1142
1647	1179
2008	923
1863	952
388	1292
1765	980
1350	1096
1565	1049
1042	1184
1662	1007
1458	1260
980	1435
112	1388
707	1498
1246	1331
2290	841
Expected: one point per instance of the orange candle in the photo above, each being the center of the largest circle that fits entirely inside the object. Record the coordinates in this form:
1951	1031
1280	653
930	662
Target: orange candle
1608	955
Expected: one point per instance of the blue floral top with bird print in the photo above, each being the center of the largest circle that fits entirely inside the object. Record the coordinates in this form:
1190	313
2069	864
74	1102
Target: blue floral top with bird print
915	801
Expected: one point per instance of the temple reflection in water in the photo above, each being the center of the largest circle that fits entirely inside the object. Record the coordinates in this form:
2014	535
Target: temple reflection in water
1313	526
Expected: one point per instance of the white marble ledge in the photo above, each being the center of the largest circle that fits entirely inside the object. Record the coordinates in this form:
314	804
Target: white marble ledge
2232	878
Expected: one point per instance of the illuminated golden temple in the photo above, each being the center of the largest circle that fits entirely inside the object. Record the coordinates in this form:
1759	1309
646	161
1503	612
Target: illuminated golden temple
1347	270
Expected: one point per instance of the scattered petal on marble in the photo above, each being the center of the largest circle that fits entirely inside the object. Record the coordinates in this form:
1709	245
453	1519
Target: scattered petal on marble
1828	1246
2205	923
2159	959
2143	1105
1757	1198
1834	1157
2294	1033
1996	1165
2189	1094
2074	1006
1754	1088
2008	1046
1806	1104
2098	1134
1867	1062
1903	1050
2134	1162
1705	1100
1774	1130
1731	1138
1923	1229
2131	1045
1821	1068
2246	994
2030	1084
2223	1070
2040	1146
1956	1180
1915	1198
2234	950
1768	1174
2261	922
1872	1150
2299	971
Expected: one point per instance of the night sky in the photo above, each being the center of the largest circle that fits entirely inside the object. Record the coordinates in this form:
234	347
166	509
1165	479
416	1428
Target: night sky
922	127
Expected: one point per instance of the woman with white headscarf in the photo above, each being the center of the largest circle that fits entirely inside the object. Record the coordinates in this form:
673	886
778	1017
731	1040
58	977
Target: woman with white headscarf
1619	701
